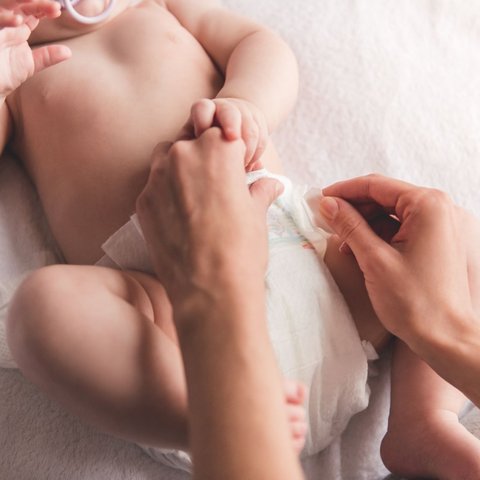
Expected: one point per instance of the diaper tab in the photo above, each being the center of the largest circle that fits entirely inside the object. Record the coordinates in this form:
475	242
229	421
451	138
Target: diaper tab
312	199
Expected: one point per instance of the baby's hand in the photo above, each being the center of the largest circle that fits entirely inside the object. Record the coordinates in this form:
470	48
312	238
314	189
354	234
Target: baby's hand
238	119
18	62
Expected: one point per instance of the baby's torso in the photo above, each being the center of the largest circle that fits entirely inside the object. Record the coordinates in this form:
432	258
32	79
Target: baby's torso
85	129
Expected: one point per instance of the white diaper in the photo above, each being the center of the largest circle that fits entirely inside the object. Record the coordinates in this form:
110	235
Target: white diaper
310	326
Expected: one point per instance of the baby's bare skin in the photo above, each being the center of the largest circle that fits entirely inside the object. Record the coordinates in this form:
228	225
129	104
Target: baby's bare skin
85	128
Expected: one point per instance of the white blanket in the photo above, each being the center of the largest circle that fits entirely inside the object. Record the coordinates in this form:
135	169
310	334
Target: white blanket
386	85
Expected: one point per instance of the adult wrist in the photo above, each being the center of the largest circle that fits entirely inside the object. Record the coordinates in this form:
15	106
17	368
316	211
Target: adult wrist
224	303
452	348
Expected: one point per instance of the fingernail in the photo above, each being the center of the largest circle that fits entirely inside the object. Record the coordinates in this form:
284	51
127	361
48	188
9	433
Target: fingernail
328	208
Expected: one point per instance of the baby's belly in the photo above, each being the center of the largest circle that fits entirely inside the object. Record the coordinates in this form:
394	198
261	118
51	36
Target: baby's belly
84	209
86	128
84	206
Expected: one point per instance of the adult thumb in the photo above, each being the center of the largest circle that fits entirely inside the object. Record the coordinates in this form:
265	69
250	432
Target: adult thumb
265	191
351	227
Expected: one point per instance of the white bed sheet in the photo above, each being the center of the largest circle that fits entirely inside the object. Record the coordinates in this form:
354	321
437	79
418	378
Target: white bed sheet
386	85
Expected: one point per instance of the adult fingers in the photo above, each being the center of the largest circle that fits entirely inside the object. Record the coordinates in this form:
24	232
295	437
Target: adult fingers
187	132
382	190
45	57
352	228
384	226
147	200
157	215
265	191
160	153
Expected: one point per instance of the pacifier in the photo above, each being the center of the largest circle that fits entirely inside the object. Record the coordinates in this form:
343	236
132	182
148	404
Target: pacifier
69	4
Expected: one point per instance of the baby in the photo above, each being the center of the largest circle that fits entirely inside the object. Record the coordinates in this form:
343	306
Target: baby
84	117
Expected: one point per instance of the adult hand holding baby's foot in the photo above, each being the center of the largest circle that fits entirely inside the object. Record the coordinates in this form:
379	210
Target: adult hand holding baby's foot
18	62
238	119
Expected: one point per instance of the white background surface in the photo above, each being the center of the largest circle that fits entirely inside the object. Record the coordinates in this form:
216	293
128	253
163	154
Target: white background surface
386	85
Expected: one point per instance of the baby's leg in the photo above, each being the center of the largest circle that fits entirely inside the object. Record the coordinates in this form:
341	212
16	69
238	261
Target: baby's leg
425	438
351	283
102	344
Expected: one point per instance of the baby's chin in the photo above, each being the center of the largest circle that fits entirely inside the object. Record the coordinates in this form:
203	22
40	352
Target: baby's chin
65	26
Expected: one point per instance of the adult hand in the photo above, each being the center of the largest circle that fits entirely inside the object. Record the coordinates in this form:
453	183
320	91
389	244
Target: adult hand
424	279
205	228
206	233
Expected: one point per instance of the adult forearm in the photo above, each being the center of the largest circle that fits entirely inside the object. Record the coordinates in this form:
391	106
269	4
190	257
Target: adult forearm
215	341
262	69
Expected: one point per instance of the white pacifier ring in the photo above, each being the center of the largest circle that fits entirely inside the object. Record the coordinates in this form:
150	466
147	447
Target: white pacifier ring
68	5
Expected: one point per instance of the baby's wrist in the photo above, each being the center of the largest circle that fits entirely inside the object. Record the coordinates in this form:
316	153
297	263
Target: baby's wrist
225	95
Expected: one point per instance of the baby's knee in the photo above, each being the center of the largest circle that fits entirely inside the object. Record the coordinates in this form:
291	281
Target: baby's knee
32	312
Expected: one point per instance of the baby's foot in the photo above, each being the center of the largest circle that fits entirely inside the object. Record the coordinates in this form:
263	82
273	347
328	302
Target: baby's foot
435	445
295	394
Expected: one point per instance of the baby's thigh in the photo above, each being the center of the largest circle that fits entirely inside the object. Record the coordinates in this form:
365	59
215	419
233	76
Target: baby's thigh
350	280
64	305
101	342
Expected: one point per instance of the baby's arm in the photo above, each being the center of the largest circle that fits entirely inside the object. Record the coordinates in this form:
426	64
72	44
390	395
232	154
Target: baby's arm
261	75
17	61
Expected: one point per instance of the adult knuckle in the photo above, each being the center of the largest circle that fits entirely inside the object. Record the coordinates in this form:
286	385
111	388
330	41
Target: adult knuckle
440	197
144	203
427	199
156	177
375	258
178	149
374	176
372	179
347	227
417	198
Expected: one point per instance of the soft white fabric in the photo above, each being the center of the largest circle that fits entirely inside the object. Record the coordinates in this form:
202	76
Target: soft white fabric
386	85
311	329
25	242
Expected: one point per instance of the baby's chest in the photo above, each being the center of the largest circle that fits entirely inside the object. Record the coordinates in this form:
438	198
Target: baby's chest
124	83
